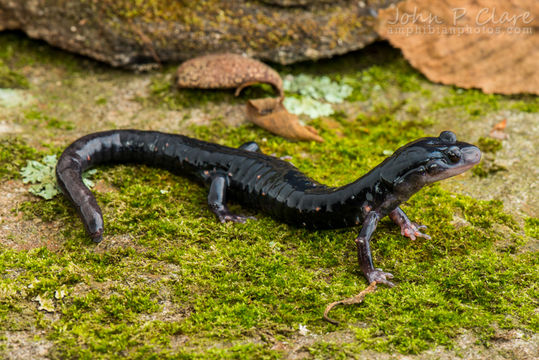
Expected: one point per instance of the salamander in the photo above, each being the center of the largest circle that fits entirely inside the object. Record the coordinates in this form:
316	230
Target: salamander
272	185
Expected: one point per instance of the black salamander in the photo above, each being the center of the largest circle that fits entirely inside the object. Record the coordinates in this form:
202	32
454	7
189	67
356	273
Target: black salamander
272	185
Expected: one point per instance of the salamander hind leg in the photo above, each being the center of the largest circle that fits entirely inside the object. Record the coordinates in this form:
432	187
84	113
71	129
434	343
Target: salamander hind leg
250	146
408	228
217	198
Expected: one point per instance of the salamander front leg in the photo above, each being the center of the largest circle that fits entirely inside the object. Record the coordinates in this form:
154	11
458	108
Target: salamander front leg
216	201
408	228
364	252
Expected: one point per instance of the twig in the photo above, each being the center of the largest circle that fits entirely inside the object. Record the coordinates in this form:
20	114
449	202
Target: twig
352	300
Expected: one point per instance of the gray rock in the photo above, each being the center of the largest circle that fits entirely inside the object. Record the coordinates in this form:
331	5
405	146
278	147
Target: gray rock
139	34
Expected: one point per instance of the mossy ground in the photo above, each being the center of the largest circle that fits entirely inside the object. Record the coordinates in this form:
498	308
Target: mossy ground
169	281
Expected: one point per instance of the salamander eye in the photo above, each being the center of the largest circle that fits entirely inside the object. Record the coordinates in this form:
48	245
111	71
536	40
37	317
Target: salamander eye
421	170
454	154
448	136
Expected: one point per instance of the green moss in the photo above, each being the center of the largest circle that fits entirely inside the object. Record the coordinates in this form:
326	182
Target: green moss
488	165
163	92
532	227
474	102
38	119
487	168
397	73
474	291
18	51
529	105
13	155
11	79
101	101
489	144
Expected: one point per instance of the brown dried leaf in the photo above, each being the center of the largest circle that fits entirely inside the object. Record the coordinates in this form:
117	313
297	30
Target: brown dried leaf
491	45
497	131
270	114
500	126
218	71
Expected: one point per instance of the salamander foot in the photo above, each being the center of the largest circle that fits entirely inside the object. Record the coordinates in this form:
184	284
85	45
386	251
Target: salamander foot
224	217
380	277
408	228
411	230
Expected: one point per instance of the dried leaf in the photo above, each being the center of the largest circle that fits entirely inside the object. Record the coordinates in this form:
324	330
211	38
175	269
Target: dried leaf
497	131
218	71
270	114
482	44
500	126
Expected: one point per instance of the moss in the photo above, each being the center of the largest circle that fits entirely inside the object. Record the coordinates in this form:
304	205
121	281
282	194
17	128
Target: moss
529	105
39	120
532	227
13	155
397	73
18	51
11	79
165	93
488	165
487	168
101	101
489	144
474	102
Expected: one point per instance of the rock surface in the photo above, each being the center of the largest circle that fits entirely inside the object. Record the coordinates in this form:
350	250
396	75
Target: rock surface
141	34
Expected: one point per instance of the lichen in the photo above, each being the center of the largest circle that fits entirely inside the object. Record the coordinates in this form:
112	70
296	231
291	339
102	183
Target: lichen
43	177
313	96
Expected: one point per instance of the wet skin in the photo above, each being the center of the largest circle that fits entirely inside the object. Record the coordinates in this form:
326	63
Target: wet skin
270	184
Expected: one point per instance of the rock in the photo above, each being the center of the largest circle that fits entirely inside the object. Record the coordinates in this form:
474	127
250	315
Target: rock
138	34
482	44
295	2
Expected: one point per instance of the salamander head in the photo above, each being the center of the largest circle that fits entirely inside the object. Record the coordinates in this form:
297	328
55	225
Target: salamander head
428	160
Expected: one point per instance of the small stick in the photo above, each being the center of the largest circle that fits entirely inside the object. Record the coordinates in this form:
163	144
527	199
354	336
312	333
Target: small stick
352	300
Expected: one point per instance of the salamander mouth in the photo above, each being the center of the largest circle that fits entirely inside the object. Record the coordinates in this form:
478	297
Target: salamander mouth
471	155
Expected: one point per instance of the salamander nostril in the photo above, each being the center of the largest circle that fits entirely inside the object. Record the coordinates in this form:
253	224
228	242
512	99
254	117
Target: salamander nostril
454	154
